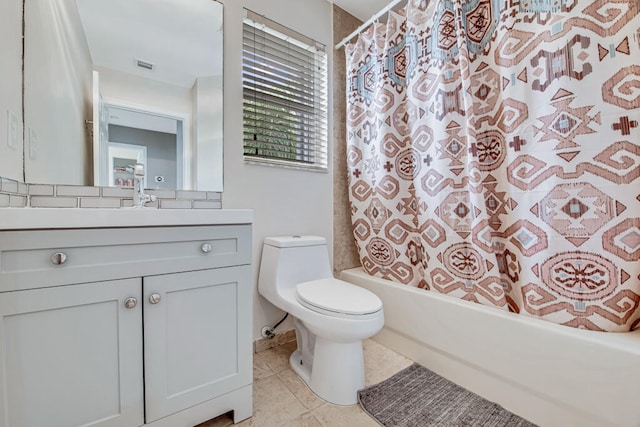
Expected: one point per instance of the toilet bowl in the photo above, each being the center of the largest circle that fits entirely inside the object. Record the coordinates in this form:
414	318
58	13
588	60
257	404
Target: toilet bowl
331	317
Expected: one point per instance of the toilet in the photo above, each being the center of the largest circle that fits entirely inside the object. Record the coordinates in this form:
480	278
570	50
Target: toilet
331	317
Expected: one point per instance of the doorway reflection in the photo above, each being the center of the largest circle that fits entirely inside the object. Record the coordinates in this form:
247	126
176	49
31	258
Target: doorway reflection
138	136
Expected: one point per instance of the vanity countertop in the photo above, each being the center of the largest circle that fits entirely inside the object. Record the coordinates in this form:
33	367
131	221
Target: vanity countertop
50	218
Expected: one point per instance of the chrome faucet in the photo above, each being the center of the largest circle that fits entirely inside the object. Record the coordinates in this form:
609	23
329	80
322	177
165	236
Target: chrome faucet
139	198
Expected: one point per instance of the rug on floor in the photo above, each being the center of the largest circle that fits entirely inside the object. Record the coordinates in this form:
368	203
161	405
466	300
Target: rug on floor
416	397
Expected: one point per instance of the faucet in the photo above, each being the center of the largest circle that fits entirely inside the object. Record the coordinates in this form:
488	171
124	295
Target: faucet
139	198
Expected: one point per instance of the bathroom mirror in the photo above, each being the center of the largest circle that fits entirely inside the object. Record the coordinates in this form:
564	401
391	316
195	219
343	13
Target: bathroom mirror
103	75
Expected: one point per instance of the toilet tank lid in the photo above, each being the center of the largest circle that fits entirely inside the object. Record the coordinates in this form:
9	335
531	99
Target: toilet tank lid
294	241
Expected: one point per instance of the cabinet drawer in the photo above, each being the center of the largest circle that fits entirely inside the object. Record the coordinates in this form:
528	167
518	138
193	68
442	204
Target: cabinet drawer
42	258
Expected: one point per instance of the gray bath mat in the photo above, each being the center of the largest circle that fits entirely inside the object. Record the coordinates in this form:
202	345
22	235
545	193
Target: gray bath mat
417	397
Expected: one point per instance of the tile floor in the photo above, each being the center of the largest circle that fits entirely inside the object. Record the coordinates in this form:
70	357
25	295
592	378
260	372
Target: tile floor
281	399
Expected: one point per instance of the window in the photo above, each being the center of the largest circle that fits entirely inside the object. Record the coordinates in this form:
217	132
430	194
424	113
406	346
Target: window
284	81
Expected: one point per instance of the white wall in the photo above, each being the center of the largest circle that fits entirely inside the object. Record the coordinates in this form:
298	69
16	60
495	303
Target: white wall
58	93
128	90
284	201
208	132
11	87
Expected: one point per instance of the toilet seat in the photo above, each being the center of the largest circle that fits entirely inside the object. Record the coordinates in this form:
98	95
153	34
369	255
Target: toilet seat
336	298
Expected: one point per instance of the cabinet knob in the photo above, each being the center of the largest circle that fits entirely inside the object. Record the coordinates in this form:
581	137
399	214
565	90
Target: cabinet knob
130	302
59	258
206	247
154	298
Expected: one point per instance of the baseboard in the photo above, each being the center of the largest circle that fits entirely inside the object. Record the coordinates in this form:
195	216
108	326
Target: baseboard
280	339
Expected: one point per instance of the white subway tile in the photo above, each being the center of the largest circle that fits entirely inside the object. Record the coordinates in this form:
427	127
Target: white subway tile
95	202
23	189
194	195
214	195
40	190
207	204
5	200
9	185
175	204
117	192
127	203
77	190
17	201
53	202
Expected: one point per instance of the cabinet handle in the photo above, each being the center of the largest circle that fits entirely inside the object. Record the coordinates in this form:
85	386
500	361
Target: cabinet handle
59	258
130	302
206	247
154	298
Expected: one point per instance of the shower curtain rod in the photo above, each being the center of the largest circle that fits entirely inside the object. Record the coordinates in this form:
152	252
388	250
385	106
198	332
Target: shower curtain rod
371	20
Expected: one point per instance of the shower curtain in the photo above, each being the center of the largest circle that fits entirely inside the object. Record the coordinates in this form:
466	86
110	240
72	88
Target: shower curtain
494	155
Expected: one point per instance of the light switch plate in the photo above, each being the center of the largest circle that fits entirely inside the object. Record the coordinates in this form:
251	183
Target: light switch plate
12	129
33	144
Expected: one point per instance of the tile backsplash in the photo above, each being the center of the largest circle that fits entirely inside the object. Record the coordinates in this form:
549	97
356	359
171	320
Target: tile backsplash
15	194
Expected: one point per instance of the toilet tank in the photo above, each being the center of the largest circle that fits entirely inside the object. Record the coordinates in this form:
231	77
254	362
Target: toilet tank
287	261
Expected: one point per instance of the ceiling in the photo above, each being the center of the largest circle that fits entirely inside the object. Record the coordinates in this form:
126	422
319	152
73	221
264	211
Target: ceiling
361	9
119	32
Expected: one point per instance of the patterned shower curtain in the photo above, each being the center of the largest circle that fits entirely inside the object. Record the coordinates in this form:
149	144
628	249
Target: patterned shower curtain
494	155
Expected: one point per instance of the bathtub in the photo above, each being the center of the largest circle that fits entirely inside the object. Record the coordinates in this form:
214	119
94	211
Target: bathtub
549	374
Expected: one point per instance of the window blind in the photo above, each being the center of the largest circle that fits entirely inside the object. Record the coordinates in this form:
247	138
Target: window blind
284	81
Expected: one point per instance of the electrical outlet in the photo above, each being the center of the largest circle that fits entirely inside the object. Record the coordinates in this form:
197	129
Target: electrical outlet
33	144
12	129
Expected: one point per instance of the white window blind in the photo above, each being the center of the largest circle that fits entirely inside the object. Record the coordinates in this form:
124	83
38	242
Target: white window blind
284	81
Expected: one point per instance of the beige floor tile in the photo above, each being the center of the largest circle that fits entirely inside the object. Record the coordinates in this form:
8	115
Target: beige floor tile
380	362
261	369
281	398
343	416
273	404
277	358
306	420
299	389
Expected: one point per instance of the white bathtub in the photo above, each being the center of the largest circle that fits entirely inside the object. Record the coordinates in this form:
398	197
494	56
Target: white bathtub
549	374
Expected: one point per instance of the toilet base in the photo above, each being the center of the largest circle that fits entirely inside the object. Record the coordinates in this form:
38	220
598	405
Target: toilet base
337	372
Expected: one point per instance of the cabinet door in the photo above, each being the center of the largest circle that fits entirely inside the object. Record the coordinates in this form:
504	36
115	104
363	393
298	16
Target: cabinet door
197	337
71	356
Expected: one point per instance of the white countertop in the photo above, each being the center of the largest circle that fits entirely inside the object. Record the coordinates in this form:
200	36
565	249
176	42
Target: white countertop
50	218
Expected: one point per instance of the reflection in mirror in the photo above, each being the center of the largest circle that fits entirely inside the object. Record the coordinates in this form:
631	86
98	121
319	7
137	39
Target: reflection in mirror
161	134
147	73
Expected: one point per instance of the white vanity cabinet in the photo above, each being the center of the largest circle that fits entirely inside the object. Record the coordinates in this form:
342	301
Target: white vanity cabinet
125	326
71	356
